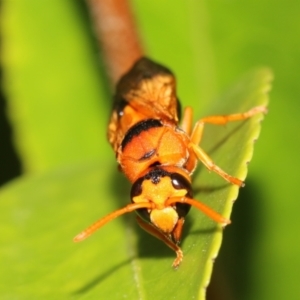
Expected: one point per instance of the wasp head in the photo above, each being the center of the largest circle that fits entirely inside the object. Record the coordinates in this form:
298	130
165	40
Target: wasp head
158	186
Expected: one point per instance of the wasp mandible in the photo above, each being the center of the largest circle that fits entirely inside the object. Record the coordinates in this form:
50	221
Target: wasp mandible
157	155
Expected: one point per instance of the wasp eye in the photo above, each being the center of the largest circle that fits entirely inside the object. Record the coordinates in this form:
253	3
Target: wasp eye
180	183
136	188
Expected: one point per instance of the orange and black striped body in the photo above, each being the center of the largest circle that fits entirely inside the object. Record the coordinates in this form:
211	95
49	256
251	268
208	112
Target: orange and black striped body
157	155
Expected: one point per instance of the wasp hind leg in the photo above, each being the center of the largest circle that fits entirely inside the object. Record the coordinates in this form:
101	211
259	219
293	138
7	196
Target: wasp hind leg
210	165
161	236
197	133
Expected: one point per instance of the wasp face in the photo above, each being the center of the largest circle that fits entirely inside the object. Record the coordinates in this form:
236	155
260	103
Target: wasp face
158	186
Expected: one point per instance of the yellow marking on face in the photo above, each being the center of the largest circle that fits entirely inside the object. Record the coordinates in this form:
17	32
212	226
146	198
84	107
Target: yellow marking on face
158	193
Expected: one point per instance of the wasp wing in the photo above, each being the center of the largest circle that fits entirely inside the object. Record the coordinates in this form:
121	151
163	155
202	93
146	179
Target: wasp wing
147	91
150	89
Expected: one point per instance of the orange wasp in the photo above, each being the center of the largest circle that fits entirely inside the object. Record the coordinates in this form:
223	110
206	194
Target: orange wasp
157	155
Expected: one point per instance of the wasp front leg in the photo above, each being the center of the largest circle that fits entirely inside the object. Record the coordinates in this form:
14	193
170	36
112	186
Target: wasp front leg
197	133
163	237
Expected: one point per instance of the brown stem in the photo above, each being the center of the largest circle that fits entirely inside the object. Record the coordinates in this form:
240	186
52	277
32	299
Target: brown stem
116	32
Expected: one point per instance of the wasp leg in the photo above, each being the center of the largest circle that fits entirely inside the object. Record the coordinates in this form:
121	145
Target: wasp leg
177	231
187	126
210	165
161	236
219	120
187	120
223	120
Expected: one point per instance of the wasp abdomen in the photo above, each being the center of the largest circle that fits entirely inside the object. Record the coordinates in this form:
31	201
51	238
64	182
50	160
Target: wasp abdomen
138	128
149	143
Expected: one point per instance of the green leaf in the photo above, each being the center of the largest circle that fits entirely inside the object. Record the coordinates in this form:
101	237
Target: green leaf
56	96
207	44
40	215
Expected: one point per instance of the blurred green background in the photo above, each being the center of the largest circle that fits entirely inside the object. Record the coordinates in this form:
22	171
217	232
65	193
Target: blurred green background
208	44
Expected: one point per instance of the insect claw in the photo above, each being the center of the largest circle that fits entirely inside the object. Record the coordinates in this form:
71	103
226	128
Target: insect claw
80	237
236	181
178	259
226	222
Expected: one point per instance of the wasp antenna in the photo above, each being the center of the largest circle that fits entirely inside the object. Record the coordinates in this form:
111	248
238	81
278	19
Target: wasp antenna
205	209
129	208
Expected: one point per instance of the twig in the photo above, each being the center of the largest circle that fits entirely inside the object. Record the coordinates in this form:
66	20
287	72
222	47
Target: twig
117	35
